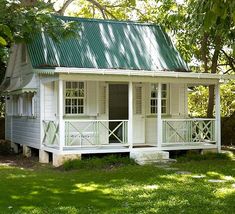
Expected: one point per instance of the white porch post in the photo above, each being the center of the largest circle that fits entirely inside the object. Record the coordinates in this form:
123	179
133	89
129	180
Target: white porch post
159	115
42	110
217	117
61	112
130	113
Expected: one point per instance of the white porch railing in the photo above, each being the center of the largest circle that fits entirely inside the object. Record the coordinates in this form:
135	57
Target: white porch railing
196	130
88	133
51	133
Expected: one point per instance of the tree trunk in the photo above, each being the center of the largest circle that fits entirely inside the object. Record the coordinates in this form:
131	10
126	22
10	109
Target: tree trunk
215	58
211	98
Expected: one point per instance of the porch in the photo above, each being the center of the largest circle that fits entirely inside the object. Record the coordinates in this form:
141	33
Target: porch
96	136
146	115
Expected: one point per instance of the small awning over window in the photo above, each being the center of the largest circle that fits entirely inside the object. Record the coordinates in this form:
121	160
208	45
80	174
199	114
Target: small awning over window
22	85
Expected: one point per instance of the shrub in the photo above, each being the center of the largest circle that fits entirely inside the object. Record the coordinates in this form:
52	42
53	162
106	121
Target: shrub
5	147
106	162
208	156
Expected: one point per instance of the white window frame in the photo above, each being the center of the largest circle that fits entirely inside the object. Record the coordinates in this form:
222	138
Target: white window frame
75	98
9	105
29	104
23	105
166	99
20	105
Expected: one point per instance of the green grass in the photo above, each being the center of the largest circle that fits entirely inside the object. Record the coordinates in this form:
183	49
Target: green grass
123	188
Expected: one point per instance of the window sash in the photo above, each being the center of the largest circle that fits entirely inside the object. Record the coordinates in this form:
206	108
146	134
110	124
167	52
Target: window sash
74	98
154	99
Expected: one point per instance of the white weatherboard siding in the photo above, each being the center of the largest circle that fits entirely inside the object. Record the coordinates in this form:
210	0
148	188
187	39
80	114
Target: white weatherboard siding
50	101
151	131
92	98
23	129
183	101
8	128
26	131
177	108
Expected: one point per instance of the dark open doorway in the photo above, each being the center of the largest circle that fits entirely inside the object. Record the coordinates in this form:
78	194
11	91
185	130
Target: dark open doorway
118	109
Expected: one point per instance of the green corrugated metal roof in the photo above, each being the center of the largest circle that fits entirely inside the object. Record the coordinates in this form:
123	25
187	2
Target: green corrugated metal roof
108	44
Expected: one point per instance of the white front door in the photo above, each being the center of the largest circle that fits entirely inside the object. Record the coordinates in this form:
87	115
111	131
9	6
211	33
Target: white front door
139	116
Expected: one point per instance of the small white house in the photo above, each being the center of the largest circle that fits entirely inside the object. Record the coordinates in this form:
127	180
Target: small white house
117	87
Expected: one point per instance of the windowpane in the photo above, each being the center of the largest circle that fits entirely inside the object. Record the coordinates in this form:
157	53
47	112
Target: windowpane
67	110
154	98
74	102
68	85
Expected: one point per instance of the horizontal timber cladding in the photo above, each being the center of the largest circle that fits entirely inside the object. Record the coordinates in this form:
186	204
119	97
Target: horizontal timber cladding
50	101
8	128
26	131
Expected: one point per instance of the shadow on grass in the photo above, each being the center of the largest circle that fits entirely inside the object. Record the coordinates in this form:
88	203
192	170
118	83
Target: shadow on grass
128	189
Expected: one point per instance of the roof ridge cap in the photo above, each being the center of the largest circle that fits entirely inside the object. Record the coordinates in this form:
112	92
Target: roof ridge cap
73	18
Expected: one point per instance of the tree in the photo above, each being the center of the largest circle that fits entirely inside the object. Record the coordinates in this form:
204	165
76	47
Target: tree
20	21
204	30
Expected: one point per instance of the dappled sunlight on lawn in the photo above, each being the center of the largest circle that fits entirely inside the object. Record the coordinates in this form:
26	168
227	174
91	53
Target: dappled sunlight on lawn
127	189
225	191
90	187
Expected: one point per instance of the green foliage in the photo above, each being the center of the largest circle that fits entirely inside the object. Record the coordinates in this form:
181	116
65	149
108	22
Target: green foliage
228	130
193	156
108	161
198	100
26	20
5	147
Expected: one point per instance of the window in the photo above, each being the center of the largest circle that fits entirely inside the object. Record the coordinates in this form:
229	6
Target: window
9	105
74	97
17	105
28	107
24	104
153	99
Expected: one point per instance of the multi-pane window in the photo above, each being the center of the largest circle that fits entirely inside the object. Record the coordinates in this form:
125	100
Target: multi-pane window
74	97
153	99
23	104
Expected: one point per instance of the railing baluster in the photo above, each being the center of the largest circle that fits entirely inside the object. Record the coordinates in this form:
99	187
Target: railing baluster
180	131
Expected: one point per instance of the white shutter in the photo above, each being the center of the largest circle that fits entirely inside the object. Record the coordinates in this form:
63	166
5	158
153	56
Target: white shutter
138	99
102	99
34	105
20	105
9	105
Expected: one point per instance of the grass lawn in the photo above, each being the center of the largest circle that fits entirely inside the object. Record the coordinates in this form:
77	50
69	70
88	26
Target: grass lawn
197	186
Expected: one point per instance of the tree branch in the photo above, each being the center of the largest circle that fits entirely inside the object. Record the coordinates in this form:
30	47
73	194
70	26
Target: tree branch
204	51
102	9
231	60
64	7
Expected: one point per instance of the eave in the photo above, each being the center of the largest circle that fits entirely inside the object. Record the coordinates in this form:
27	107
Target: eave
139	75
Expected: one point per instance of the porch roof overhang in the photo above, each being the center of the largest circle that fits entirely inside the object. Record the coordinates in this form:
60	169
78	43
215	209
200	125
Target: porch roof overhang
137	75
